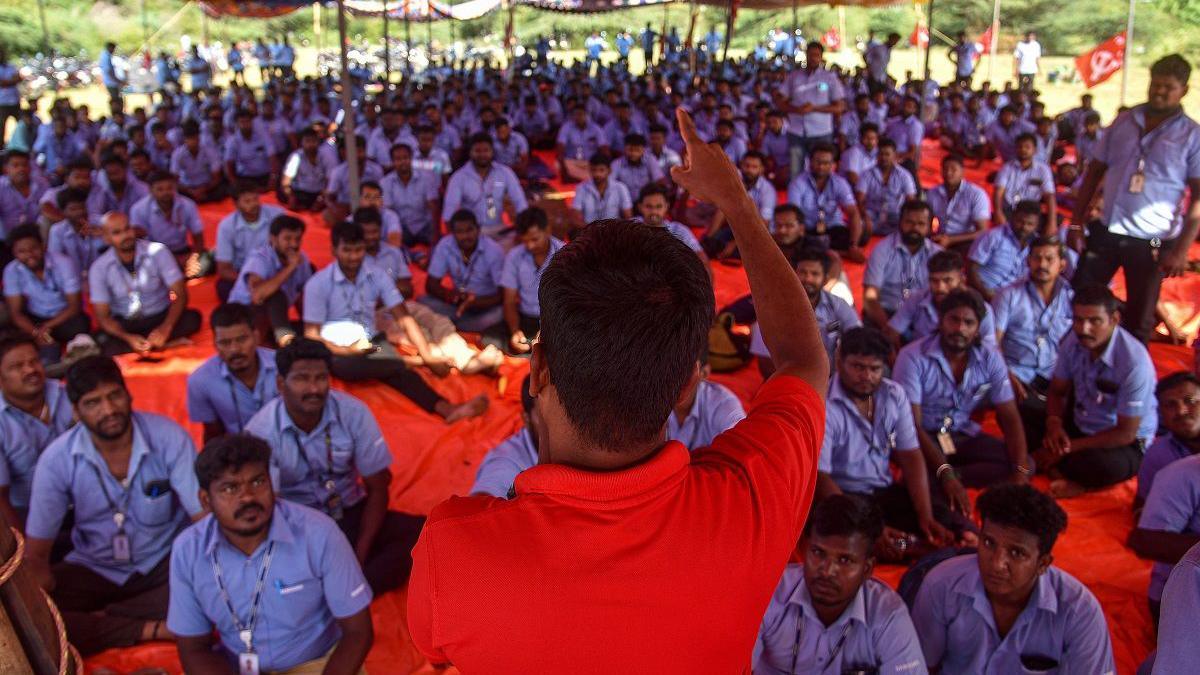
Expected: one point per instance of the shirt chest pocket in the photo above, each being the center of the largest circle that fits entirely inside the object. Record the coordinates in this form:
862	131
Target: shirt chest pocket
293	602
155	503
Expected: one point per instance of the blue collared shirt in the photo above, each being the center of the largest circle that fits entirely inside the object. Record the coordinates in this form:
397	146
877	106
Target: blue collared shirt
882	198
135	190
159	494
1063	621
23	437
857	452
1163	451
1004	140
857	160
509	154
330	296
835	316
579	143
484	195
523	275
1172	505
1032	328
392	260
58	151
145	292
1171	154
195	170
959	214
820	87
479	274
215	395
873	634
917	317
765	197
410	201
502	464
595	206
814	203
923	371
314	579
46	296
347	433
1001	258
1119	383
308	175
264	263
896	272
339	180
908	132
237	237
171	229
16	208
66	241
1177	620
714	412
636	177
683	233
1022	184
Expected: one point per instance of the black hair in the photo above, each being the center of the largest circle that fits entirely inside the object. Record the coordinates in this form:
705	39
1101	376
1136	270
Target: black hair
600	158
346	231
111	158
823	147
953	157
1172	65
867	126
285	222
159	176
886	142
1052	241
864	341
368	215
1027	207
755	154
1025	136
1164	385
227	453
816	255
462	215
527	399
13	153
845	515
652	189
531	217
1096	295
945	261
20	232
636	140
657	129
80	164
86	374
241	187
1092	117
231	314
962	297
915	205
725	123
476	139
790	208
69	196
1026	508
399	146
374	185
628	298
12	338
301	349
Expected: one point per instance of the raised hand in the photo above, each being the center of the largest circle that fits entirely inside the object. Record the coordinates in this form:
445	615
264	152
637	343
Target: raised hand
706	171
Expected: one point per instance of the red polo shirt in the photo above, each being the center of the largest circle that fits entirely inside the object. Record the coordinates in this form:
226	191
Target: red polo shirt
666	567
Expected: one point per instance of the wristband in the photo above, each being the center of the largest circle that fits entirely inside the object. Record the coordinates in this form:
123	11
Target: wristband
944	470
1023	470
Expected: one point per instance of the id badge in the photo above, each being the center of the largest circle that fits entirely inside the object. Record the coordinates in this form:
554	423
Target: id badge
1136	183
247	664
946	443
120	548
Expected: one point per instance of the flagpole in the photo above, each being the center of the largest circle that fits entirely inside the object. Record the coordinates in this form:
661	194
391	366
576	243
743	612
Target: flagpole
928	46
994	37
1126	61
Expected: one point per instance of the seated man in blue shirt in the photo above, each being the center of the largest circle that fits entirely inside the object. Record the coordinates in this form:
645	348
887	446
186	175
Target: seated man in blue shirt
918	317
828	204
521	276
1108	372
503	463
126	476
599	197
997	258
947	376
718	241
961	207
231	386
245	229
899	265
473	264
883	189
33	411
1180	650
249	155
138	294
329	454
312	611
272	278
339	311
1178	397
198	167
869	423
1007	609
42	291
1169	524
828	613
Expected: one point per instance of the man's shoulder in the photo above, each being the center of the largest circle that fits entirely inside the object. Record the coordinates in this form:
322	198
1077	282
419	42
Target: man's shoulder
915	351
261	422
160	427
208	370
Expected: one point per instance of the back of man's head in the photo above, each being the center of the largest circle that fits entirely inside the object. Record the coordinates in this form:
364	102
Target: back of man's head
626	309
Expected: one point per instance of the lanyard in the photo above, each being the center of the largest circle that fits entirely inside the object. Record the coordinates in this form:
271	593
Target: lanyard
119	508
237	411
837	649
354	301
245	630
325	477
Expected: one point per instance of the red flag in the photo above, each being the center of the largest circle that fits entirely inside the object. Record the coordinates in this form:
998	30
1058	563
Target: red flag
919	36
984	44
1100	63
832	40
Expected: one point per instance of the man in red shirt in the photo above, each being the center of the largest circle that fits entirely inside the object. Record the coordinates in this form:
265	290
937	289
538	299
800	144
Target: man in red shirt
620	553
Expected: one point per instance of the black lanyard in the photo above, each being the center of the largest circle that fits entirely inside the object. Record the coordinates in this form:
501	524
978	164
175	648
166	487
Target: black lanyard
245	630
799	636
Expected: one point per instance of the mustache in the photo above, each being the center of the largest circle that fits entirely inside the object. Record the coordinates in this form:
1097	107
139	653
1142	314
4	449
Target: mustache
246	509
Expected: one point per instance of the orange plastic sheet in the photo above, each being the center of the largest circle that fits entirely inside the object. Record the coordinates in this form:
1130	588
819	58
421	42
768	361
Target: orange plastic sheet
433	461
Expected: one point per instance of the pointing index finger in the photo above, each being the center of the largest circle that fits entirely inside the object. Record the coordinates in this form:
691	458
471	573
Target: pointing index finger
687	128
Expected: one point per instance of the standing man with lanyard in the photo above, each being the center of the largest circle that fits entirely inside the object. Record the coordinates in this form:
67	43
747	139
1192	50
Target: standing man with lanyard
230	387
276	580
1147	160
811	96
112	81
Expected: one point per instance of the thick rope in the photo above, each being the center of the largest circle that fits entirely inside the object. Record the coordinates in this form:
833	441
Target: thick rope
67	654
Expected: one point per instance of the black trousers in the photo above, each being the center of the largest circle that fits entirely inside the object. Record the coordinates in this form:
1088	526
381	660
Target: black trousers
1094	468
62	333
981	460
385	365
224	286
1105	253
189	322
899	512
272	316
389	562
499	336
99	614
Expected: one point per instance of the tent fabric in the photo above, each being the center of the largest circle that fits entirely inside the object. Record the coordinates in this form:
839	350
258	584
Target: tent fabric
433	461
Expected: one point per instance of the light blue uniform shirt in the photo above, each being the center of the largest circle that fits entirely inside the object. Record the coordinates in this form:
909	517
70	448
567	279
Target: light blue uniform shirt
216	395
523	275
44	297
765	197
237	237
146	292
170	229
960	213
161	494
595	206
1032	329
882	198
636	177
896	272
579	143
480	274
108	71
264	262
856	452
1173	505
339	180
135	191
23	437
347	433
509	154
820	87
1063	621
857	160
873	634
410	201
1177	620
1025	184
1001	258
392	260
330	296
836	195
58	151
195	170
484	195
917	317
908	132
502	464
715	411
308	175
1120	382
1004	140
835	316
923	371
66	241
1163	451
314	579
16	208
1172	156
683	233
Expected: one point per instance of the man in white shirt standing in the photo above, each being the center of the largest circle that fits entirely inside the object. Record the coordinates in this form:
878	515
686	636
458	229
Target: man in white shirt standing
1027	57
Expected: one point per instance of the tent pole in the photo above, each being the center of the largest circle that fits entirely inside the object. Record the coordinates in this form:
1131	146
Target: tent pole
729	30
428	33
408	67
795	17
387	49
928	46
995	37
1126	62
348	120
45	31
841	11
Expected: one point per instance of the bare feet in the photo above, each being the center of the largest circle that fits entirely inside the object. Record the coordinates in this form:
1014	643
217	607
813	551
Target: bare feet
1065	489
473	408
